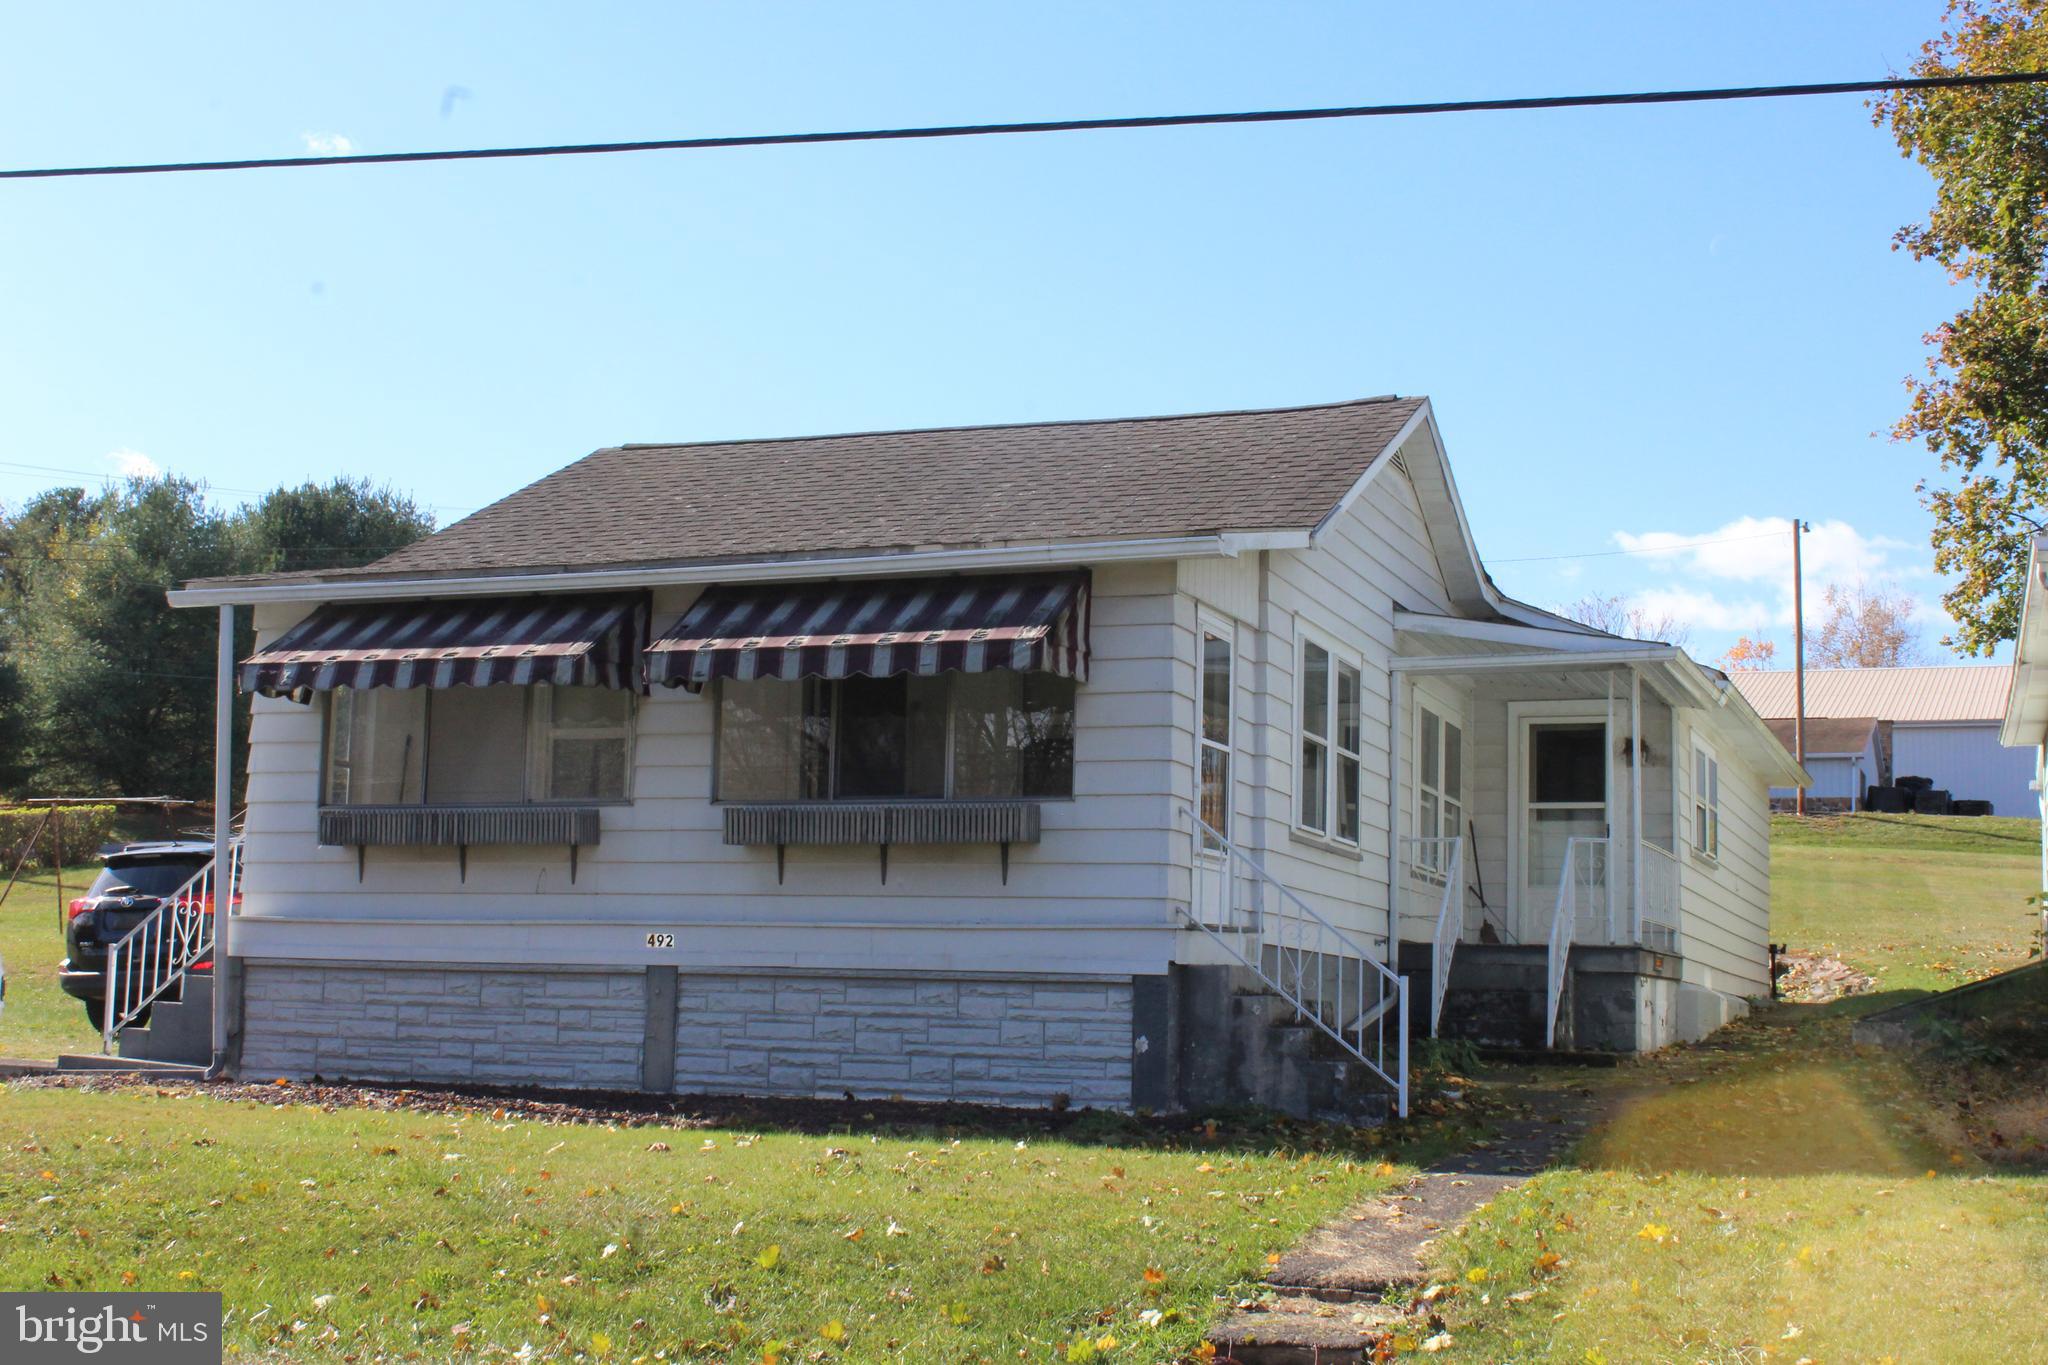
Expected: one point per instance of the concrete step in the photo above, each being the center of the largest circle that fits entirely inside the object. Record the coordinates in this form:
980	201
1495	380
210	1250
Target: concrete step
93	1061
180	1029
1297	1330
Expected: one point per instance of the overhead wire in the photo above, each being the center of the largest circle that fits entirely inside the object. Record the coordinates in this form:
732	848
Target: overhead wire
1077	125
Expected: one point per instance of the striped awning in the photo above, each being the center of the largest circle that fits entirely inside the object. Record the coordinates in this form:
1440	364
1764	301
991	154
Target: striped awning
1028	622
587	641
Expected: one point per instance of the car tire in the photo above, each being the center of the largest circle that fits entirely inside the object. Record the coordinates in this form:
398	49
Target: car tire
96	1015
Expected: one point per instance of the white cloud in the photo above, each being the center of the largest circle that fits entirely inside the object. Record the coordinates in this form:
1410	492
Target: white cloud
327	144
1759	550
1701	611
133	464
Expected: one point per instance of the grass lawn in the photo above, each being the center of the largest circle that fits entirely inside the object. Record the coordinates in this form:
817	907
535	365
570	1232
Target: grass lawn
357	1234
40	1021
1773	1194
1921	902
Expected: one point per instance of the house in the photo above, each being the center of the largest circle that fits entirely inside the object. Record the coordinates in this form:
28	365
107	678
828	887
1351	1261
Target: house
1845	758
1143	763
1944	723
2025	726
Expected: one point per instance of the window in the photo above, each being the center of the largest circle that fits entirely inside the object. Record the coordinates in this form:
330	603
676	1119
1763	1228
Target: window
1706	803
1214	707
1332	733
1439	784
963	736
462	746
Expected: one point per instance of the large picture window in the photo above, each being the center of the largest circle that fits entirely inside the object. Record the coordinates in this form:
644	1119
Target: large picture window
1331	730
961	736
1214	710
463	746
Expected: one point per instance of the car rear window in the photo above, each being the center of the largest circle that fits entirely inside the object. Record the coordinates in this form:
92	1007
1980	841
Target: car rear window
150	876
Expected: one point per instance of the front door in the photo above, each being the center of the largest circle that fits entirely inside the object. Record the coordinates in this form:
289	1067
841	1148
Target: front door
1563	796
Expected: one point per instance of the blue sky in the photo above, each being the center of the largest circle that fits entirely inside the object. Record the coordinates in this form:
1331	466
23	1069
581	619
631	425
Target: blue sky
1672	322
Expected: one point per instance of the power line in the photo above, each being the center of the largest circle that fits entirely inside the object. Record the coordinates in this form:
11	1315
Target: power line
1082	125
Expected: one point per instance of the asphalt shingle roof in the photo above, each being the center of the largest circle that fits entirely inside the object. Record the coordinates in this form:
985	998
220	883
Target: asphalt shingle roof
1276	469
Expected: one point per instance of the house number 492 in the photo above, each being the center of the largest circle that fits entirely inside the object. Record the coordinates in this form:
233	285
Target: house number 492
661	940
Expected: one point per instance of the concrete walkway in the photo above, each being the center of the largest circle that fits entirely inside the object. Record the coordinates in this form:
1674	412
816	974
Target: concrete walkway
1331	1295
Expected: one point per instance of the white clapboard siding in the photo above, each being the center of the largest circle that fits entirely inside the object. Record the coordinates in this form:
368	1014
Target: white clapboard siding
1101	866
1726	903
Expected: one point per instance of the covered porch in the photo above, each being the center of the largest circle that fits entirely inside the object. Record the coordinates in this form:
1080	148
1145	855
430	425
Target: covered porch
1545	809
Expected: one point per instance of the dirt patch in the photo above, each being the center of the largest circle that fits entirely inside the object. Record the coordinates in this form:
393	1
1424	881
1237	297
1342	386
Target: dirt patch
1815	979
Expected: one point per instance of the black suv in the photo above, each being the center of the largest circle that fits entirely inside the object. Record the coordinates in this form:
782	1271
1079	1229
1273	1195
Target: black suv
132	883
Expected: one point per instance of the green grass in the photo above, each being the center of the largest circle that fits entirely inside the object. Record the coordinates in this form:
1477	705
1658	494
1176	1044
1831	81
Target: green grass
357	1234
1776	1194
40	1020
1920	902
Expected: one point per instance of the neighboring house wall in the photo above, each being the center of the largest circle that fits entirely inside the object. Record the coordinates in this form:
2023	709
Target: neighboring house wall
1837	777
1969	762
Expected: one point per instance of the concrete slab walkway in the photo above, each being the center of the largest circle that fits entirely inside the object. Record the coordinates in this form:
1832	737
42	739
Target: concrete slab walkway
1335	1297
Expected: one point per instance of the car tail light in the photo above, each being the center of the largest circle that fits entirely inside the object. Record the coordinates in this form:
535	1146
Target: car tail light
80	906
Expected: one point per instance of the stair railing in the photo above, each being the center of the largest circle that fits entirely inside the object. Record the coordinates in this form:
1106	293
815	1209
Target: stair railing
1583	877
156	954
1326	975
1450	927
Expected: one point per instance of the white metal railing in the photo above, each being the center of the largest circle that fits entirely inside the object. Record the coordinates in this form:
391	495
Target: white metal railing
1330	979
1440	862
1581	897
155	955
1657	916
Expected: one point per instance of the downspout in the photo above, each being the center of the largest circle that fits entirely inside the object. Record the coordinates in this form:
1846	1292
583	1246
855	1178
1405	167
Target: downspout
1262	708
1396	683
1635	802
224	975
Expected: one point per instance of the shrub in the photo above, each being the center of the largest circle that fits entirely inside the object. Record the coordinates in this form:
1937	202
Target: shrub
84	829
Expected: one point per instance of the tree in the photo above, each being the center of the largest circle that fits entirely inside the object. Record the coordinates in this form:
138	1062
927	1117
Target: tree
1615	616
1864	628
117	687
1749	652
1982	405
337	525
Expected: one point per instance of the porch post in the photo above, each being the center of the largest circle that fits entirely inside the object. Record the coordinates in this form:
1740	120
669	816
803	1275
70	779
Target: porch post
1395	683
1635	798
223	822
1613	927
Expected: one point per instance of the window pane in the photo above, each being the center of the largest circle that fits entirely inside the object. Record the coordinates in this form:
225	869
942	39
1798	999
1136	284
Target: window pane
1426	827
1315	690
589	708
1454	820
1347	798
1429	742
1216	701
772	738
476	745
891	737
1566	763
1045	736
587	769
1216	790
1454	762
376	746
1347	708
1315	786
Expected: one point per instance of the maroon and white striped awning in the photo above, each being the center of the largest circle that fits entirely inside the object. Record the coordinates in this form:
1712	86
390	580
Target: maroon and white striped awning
586	641
1028	622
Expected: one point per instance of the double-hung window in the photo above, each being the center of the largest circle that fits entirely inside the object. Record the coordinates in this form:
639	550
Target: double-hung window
1706	802
962	736
461	746
1439	785
1214	709
1331	728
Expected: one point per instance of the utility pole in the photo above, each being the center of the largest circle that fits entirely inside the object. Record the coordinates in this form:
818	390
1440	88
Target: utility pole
1798	664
